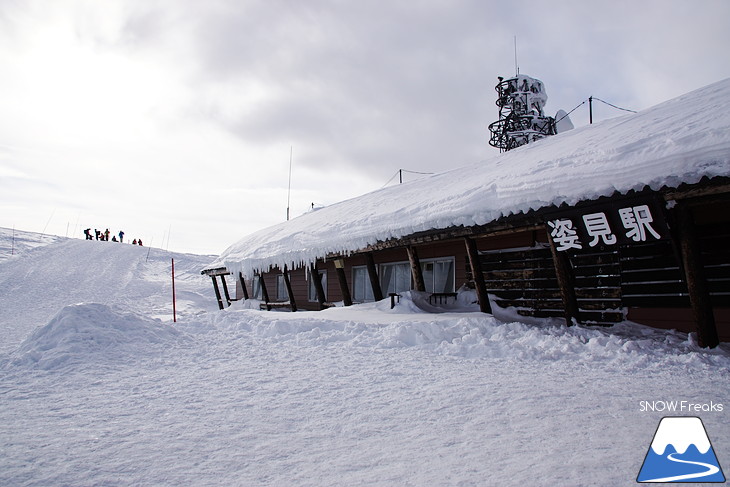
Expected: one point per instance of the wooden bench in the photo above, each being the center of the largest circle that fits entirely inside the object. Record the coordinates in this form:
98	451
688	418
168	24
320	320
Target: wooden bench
275	305
441	298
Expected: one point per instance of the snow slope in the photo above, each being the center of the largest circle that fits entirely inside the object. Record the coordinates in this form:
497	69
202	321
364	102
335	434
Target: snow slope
99	387
679	141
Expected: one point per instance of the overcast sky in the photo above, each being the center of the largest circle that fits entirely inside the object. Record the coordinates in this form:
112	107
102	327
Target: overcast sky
174	120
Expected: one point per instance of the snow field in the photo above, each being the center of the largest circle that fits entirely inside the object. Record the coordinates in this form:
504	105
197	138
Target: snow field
105	390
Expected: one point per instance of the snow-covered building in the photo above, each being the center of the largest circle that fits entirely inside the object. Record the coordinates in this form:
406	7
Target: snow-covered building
625	219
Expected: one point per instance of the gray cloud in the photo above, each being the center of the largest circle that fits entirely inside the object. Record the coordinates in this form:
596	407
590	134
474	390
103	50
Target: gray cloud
360	89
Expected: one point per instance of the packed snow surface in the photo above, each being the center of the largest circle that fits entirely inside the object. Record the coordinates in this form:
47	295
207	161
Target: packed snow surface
679	141
98	386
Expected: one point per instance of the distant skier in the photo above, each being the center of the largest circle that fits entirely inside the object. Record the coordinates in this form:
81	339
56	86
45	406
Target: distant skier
114	238
106	235
98	233
87	232
134	242
121	236
139	242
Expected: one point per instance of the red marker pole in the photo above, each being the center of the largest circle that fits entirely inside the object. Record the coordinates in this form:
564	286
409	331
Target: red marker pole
174	312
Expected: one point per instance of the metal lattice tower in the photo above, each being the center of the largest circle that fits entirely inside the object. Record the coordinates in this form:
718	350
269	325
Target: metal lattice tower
521	119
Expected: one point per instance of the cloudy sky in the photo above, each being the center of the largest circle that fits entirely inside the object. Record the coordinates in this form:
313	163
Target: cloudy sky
174	120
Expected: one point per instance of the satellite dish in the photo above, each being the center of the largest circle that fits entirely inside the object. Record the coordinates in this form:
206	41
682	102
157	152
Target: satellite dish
563	122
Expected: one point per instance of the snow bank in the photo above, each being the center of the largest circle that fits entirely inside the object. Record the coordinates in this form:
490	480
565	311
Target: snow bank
84	333
49	274
675	142
473	335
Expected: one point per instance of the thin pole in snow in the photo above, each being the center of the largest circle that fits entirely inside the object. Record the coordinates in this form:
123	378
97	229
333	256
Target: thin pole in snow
517	67
590	109
148	250
174	311
43	233
288	192
400	173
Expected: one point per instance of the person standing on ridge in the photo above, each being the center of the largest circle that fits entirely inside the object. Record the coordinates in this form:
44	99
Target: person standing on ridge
106	235
121	236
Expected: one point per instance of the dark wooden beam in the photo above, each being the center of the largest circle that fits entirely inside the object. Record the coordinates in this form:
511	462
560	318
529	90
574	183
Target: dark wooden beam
566	283
217	292
478	274
373	274
416	271
264	292
225	290
287	283
699	295
342	280
317	281
243	285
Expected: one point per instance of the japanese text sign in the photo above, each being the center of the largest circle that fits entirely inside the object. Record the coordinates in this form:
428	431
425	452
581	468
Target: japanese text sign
619	222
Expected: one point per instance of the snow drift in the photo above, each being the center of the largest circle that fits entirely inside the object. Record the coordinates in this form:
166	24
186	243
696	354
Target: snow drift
84	333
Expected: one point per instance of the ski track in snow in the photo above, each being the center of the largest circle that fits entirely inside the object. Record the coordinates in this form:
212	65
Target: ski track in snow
97	387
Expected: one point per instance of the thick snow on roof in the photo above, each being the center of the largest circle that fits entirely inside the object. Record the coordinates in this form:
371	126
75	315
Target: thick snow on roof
678	141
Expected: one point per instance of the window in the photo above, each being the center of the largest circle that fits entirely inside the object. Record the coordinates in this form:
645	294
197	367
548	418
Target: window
362	291
281	294
313	289
256	291
438	275
395	278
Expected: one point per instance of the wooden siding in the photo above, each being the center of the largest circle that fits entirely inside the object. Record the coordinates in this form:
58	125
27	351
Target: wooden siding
642	282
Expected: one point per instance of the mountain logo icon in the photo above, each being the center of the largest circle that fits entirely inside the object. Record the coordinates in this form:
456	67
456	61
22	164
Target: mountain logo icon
681	452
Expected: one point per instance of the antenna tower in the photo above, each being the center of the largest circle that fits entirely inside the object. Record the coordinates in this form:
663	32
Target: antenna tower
521	118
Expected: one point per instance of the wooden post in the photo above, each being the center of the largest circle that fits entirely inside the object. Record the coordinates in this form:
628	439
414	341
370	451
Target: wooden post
566	283
243	285
225	289
373	274
416	271
217	292
287	283
342	279
476	272
699	294
317	281
264	292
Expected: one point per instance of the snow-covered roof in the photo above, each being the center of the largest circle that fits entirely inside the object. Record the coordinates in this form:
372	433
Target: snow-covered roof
678	141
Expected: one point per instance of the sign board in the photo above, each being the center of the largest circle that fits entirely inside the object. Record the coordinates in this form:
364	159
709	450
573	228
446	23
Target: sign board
618	221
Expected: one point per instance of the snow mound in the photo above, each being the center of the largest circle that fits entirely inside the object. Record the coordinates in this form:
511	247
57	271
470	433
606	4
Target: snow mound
472	335
88	332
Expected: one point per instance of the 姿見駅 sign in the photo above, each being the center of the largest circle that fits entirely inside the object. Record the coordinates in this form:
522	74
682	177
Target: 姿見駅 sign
619	221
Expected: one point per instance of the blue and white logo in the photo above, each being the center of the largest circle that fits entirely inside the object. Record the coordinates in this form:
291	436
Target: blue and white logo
681	452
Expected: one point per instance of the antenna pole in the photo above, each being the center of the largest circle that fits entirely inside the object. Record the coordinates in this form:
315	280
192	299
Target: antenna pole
517	67
288	192
590	109
174	310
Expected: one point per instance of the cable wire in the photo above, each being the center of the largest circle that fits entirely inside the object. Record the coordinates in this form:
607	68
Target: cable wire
574	109
614	106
